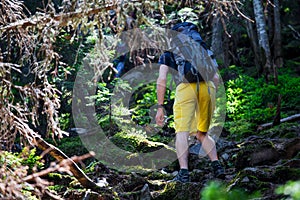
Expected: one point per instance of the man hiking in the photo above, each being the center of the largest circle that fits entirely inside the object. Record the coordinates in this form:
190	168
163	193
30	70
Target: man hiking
193	109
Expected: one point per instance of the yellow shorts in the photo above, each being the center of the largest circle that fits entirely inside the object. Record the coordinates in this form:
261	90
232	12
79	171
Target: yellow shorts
192	113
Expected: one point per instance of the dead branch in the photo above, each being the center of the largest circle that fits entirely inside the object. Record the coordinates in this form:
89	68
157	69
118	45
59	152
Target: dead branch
63	18
296	34
61	166
73	167
292	118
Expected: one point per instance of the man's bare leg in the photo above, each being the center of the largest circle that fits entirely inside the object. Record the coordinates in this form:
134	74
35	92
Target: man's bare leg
182	147
208	145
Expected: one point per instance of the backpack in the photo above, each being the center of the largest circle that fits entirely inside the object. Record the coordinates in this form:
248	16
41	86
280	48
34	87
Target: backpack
195	62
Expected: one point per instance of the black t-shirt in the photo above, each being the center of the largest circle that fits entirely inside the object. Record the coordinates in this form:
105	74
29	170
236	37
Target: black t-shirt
168	59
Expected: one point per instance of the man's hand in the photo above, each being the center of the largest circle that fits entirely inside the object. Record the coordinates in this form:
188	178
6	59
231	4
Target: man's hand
160	117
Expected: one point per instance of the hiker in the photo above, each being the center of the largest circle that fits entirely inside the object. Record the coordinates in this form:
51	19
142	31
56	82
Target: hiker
193	109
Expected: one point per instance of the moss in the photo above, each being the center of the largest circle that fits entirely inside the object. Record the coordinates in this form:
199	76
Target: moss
284	173
239	129
55	176
159	175
283	130
180	191
60	179
57	188
250	182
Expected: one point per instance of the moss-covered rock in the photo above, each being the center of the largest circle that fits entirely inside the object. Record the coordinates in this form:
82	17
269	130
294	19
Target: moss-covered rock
179	191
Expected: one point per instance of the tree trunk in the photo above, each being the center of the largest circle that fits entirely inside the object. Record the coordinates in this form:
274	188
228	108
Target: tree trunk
276	120
257	53
217	36
278	60
292	118
263	37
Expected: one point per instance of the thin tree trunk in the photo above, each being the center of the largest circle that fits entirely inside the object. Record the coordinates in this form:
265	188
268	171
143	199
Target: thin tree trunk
217	36
263	36
257	53
278	60
276	120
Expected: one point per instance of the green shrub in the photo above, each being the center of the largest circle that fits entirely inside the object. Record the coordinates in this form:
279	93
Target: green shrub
217	190
250	99
30	159
240	129
290	189
256	101
72	146
14	168
290	91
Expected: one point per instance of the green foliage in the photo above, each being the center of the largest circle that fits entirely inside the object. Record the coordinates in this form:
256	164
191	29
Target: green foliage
103	94
71	146
129	141
30	159
73	51
251	101
27	157
160	138
143	100
217	190
10	159
14	167
240	129
110	115
283	130
56	188
64	121
290	189
290	91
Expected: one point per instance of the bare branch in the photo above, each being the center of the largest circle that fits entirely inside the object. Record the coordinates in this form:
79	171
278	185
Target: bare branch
62	166
62	18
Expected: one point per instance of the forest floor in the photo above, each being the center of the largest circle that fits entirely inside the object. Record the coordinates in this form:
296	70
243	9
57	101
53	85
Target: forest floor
257	164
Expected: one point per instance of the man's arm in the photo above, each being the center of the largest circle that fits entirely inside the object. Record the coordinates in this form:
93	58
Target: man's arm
161	90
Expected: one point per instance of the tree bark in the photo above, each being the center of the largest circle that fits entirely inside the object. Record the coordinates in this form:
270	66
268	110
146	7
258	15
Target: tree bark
278	60
263	36
276	120
59	156
257	53
217	36
292	118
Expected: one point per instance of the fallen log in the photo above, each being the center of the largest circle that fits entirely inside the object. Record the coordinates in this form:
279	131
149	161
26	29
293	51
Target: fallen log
292	118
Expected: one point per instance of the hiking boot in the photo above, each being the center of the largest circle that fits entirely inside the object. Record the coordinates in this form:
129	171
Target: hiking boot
218	169
182	176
